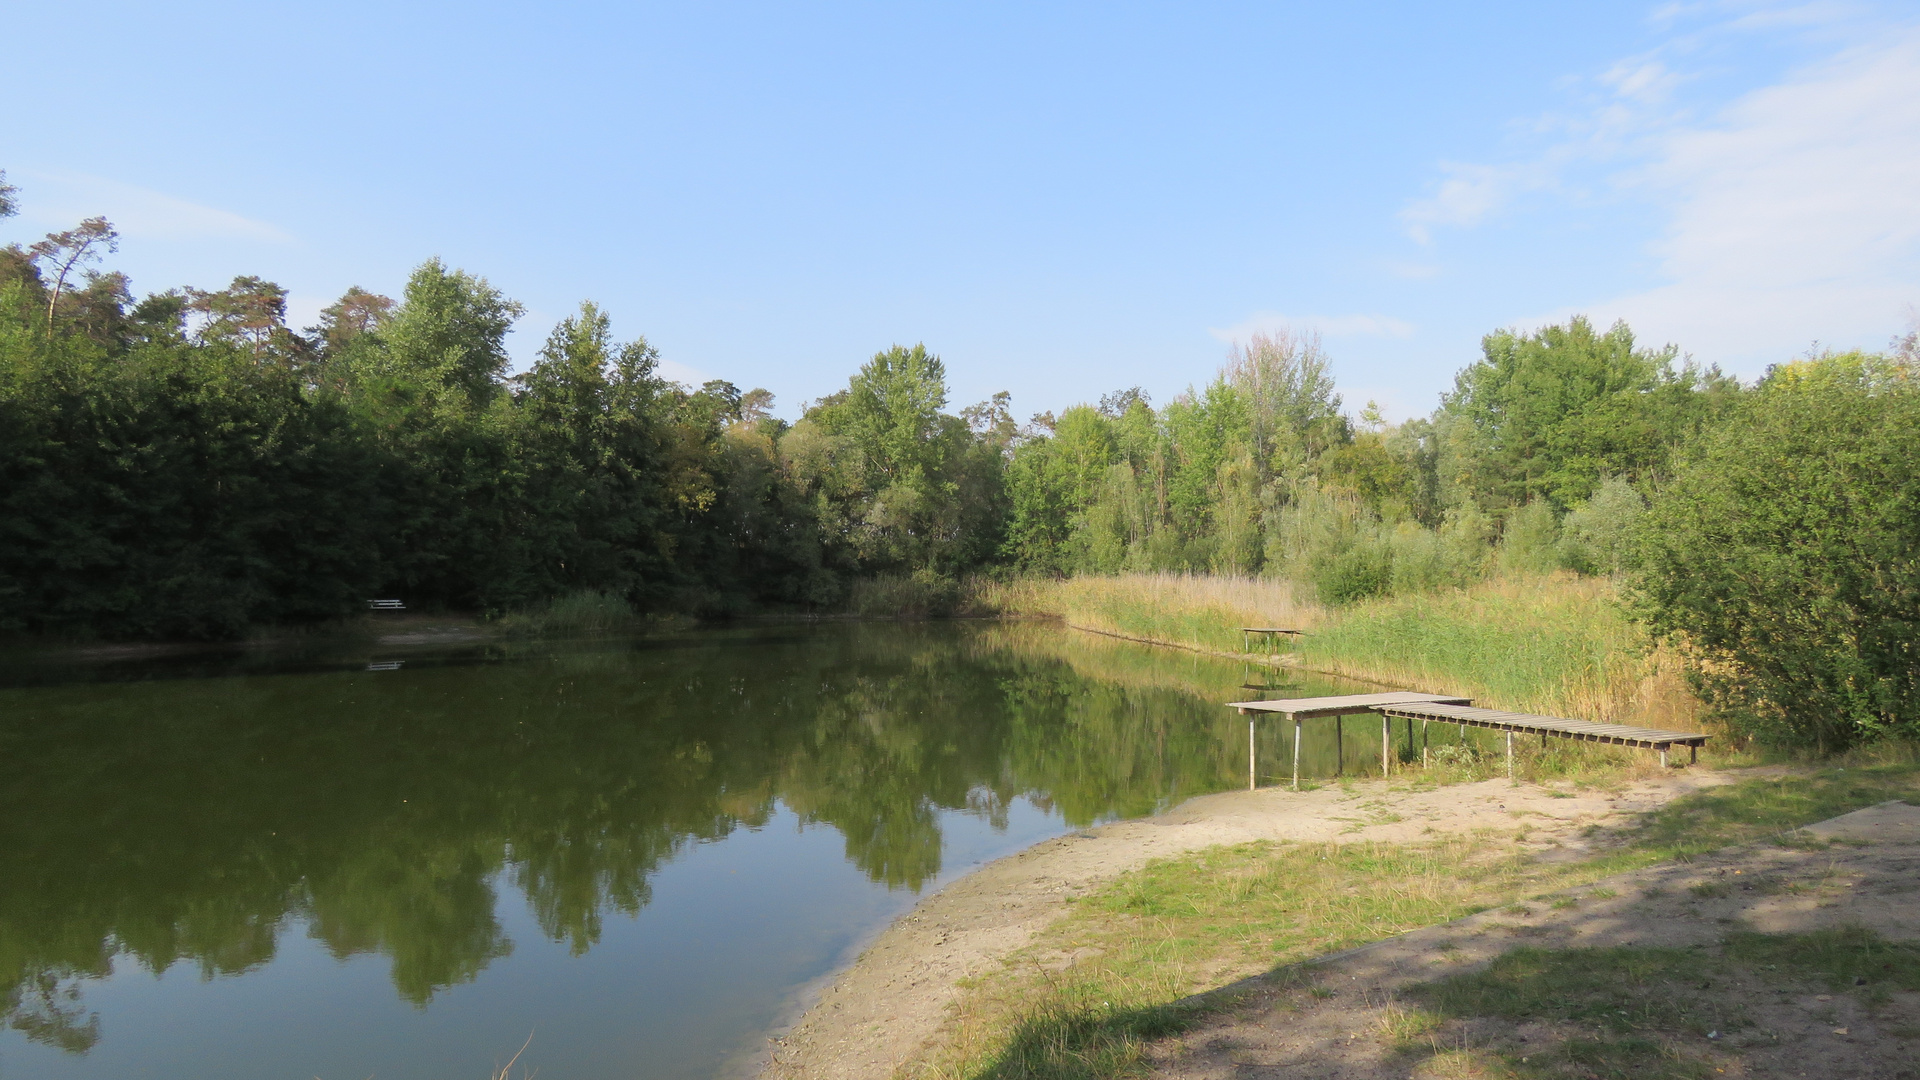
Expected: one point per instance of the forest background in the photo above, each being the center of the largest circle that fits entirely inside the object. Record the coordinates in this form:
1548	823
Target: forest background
187	465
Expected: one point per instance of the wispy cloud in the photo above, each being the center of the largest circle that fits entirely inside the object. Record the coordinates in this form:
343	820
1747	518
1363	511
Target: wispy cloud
1795	215
57	200
675	371
1333	326
1468	194
1792	212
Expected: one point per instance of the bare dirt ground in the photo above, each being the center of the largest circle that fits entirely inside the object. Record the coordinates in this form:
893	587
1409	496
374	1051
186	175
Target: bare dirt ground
1339	1020
883	1009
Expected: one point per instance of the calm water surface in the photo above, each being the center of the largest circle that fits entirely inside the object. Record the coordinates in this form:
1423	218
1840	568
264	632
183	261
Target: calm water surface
400	864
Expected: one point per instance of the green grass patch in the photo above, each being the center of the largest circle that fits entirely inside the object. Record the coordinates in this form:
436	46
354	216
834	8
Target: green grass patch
1770	807
1842	958
1643	1012
1619	990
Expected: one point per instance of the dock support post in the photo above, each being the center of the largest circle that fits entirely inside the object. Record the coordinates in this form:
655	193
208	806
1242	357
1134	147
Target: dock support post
1509	753
1663	757
1296	753
1426	742
1339	744
1251	781
1693	753
1386	742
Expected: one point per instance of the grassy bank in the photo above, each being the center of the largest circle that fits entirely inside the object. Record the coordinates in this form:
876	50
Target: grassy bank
1121	970
1553	643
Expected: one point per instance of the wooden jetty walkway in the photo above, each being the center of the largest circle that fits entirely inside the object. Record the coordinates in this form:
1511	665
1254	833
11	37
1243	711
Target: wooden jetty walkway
1432	708
1559	727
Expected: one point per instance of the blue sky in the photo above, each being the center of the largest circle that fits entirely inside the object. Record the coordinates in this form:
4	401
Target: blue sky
1061	200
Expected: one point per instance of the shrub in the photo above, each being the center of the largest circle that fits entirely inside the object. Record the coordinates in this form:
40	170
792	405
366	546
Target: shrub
588	611
919	594
1595	535
1529	542
1785	555
1361	570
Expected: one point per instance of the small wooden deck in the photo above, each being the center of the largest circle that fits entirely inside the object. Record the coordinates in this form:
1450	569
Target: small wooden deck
1313	707
1545	727
1439	708
1269	636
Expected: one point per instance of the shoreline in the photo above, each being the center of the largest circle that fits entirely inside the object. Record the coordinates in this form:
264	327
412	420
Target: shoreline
889	1006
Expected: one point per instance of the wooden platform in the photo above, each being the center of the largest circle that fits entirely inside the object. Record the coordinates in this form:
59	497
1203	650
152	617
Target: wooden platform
1547	726
1309	708
1270	635
1439	708
1306	708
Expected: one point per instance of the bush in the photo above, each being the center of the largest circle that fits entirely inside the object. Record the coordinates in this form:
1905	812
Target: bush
920	594
1595	535
1529	543
1785	555
576	614
1362	570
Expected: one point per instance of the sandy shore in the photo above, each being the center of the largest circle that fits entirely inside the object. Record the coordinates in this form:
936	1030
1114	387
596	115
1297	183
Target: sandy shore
886	1007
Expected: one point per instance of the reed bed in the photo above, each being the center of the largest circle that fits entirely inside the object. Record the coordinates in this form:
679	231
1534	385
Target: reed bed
1197	611
1552	643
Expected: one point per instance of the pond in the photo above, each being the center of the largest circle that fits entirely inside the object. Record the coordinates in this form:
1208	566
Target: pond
633	857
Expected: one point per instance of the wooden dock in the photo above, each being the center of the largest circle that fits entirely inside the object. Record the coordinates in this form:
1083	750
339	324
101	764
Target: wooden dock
1268	635
1545	726
1311	708
1439	708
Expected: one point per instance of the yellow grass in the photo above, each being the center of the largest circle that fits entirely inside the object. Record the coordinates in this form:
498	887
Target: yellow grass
1557	643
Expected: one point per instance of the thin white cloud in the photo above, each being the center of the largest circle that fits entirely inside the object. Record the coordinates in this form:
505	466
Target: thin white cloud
1795	216
675	371
1470	193
1792	212
1640	79
56	200
1332	326
1412	271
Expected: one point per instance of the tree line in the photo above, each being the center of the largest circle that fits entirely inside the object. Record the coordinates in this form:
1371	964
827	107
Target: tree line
188	465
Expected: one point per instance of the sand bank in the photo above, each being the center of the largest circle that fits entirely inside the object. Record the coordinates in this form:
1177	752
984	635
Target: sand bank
893	1000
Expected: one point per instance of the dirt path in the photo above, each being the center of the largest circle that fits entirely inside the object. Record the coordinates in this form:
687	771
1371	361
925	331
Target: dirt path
894	998
1341	1021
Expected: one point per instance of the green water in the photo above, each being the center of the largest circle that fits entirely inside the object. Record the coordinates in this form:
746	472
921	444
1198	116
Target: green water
404	863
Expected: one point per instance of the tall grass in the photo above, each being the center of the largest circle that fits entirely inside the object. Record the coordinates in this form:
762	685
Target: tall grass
577	614
1191	610
1549	643
1555	643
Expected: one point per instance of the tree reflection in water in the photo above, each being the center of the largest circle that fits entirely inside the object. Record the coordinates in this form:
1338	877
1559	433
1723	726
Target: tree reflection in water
195	819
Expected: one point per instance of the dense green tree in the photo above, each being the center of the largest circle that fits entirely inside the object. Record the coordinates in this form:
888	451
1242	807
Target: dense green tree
895	481
1549	414
1784	554
174	492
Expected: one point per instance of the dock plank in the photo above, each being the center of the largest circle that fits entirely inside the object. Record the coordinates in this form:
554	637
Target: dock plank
1308	708
1529	723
